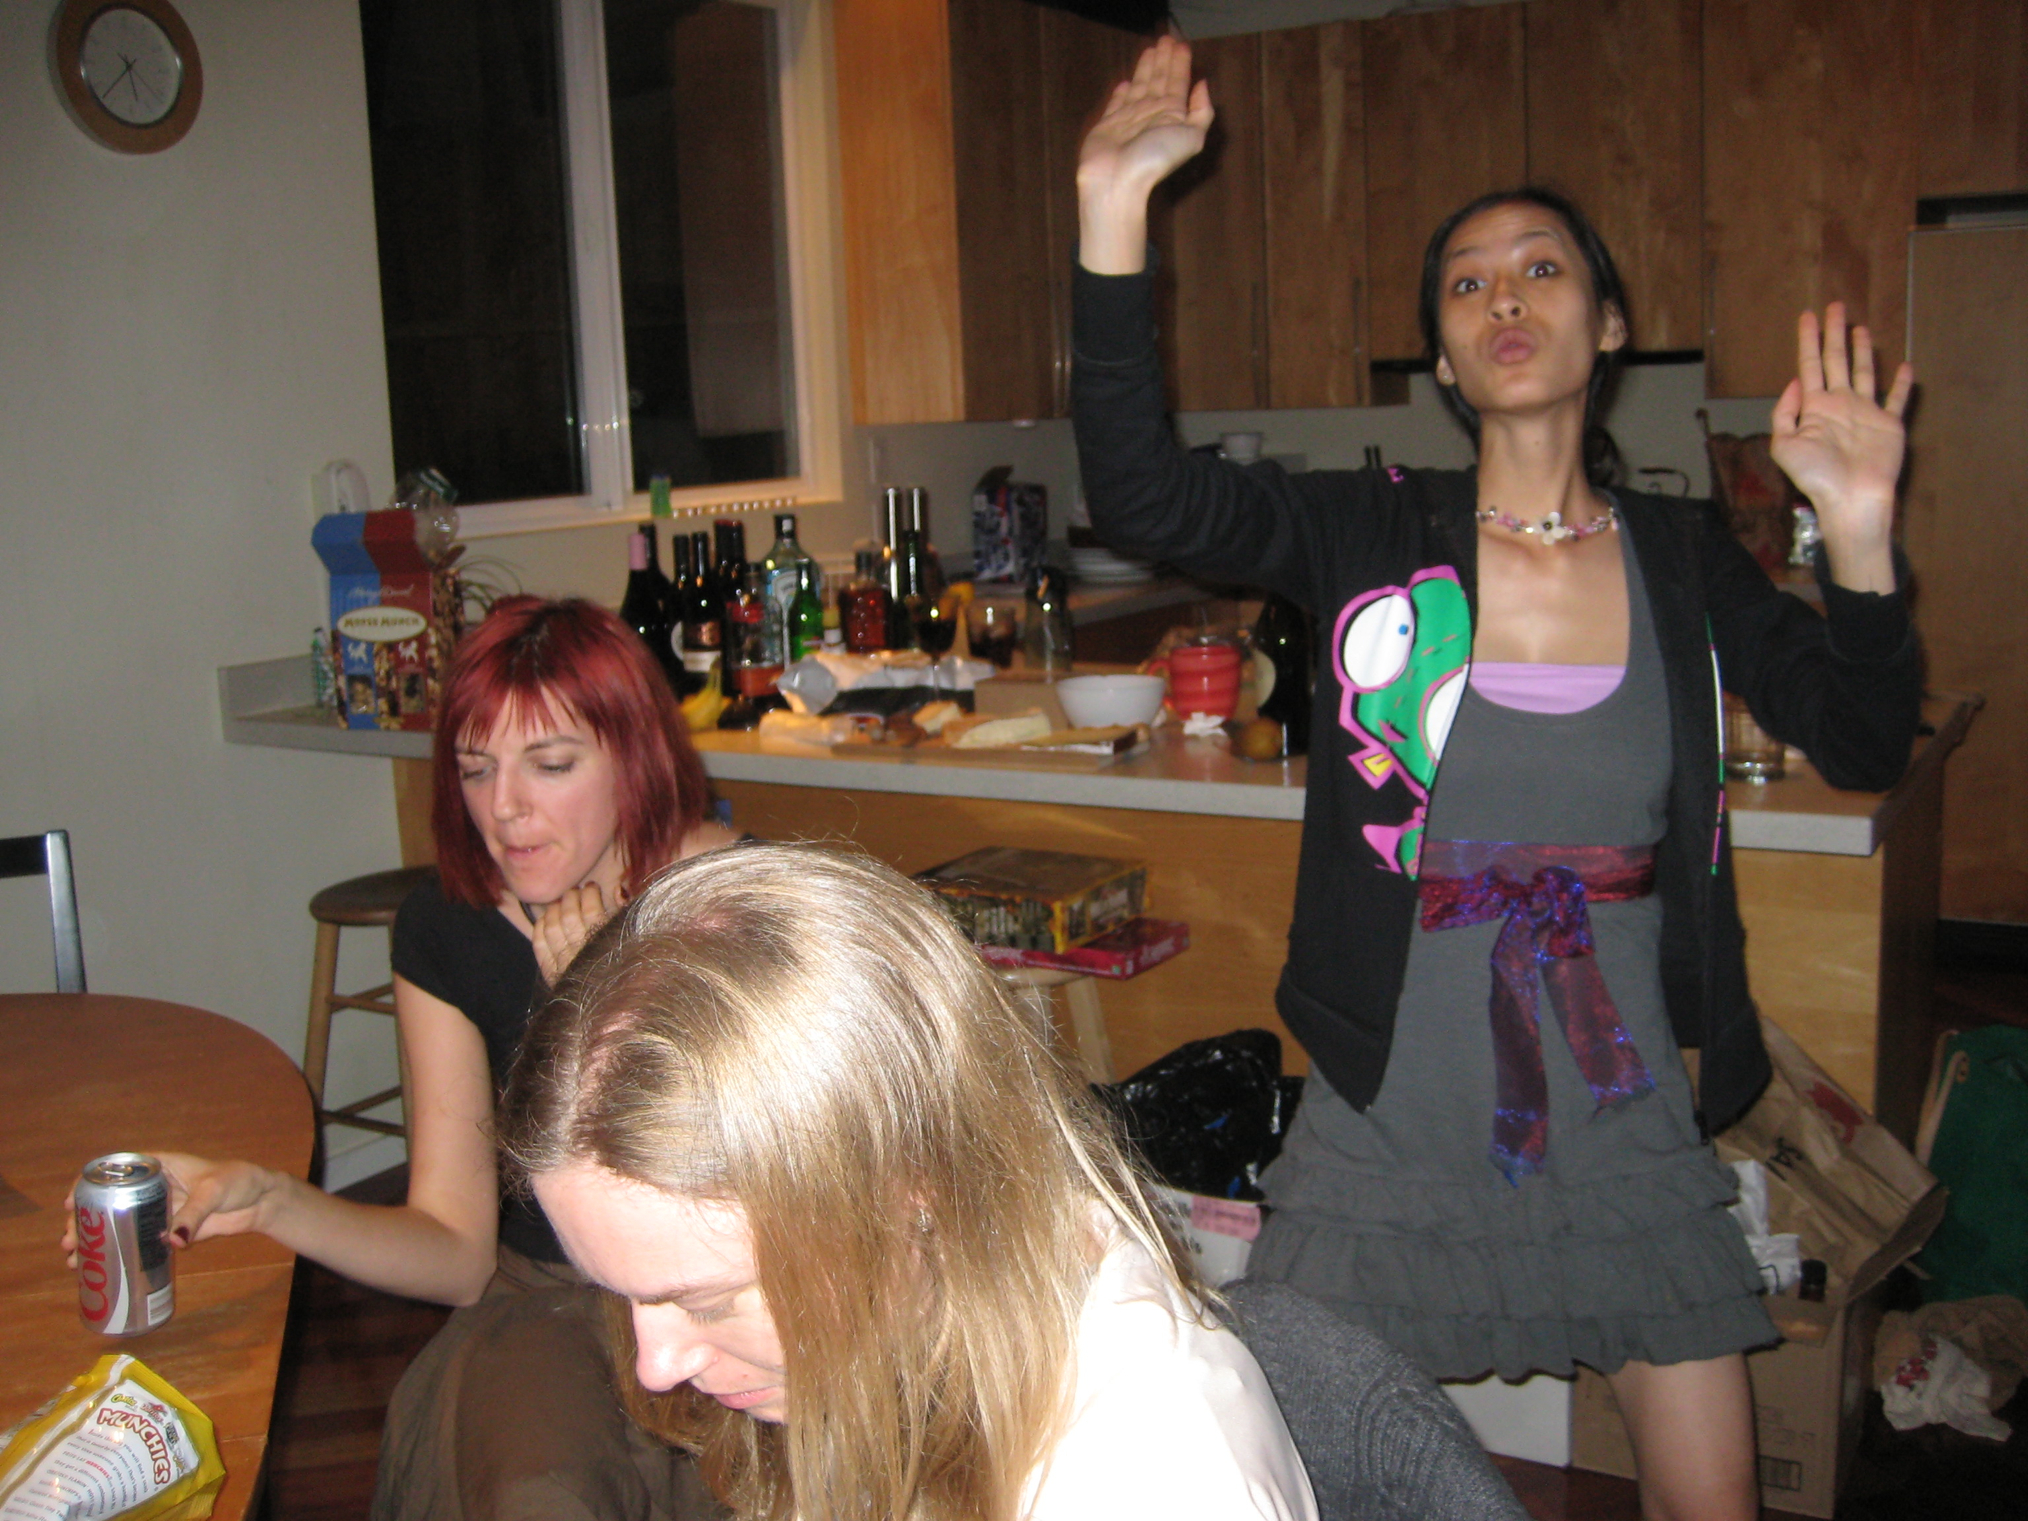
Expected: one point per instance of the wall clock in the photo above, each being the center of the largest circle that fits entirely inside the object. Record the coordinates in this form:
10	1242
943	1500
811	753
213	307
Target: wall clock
127	71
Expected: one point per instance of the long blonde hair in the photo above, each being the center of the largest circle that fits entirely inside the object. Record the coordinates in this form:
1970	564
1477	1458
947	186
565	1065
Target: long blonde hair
805	1034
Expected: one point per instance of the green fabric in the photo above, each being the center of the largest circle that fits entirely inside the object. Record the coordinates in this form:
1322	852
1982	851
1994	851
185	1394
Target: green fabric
1981	1155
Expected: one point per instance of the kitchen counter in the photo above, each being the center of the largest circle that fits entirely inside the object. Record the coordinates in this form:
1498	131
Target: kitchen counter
268	703
1838	889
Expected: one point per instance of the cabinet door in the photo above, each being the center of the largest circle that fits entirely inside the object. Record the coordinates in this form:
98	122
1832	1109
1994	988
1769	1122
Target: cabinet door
1314	187
1974	97
1445	121
899	194
1206	220
997	115
1615	121
1081	62
1809	178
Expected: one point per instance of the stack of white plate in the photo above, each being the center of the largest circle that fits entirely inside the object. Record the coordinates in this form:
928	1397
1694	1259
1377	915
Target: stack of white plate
1101	567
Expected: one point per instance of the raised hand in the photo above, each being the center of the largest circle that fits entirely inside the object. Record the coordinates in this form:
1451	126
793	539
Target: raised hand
1842	447
1152	124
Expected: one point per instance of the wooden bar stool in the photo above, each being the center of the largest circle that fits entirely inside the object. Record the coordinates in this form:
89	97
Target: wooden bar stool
359	903
1037	986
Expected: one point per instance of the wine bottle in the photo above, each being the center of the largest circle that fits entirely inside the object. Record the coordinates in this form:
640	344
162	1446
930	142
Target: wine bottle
1282	634
641	609
728	577
703	616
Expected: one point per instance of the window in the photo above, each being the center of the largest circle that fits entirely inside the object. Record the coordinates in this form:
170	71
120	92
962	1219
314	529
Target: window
604	248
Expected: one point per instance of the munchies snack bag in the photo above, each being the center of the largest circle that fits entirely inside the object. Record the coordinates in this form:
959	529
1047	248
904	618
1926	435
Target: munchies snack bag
118	1442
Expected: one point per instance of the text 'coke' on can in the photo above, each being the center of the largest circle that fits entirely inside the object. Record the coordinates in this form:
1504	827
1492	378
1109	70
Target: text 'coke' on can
126	1282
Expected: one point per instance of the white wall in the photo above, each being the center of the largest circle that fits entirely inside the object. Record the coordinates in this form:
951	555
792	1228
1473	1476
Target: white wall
186	336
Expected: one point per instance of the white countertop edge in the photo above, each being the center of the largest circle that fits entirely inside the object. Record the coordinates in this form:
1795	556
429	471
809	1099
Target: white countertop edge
1820	834
1071	789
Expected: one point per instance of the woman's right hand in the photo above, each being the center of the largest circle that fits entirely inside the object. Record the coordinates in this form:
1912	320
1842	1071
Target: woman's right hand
206	1199
1152	125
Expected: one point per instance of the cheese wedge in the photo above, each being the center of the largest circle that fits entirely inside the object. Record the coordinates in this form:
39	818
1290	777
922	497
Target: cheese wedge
989	733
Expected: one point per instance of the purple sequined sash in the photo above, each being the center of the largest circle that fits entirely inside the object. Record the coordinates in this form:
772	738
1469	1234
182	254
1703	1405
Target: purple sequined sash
1542	891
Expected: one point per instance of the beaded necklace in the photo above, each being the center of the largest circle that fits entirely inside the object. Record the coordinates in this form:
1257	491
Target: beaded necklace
1552	528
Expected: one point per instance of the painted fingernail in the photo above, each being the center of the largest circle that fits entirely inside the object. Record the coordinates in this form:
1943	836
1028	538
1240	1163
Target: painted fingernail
181	1235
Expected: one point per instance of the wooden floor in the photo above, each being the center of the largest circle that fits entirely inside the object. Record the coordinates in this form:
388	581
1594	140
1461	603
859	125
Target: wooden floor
348	1345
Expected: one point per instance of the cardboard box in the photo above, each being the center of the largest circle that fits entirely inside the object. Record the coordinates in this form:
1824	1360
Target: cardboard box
393	619
1125	952
1809	1406
1219	1232
1048	900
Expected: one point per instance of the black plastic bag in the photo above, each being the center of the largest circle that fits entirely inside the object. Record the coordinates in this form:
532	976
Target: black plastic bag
1211	1115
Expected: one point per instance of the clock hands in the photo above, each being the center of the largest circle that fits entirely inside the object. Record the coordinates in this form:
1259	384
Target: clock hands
124	74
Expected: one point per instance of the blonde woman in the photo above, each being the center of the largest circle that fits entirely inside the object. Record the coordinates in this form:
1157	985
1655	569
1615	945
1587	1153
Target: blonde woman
874	1250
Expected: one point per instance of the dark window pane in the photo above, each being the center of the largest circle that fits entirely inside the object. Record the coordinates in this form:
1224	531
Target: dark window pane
697	184
464	110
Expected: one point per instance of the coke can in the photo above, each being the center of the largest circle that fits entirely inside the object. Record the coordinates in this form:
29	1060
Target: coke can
126	1283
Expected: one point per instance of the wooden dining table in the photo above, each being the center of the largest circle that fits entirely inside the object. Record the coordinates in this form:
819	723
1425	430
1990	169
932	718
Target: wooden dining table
84	1074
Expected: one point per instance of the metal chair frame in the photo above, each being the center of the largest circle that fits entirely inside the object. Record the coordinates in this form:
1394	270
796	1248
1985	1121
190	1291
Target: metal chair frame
48	855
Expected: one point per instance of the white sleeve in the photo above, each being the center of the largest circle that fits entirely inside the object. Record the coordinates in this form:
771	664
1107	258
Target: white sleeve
1171	1418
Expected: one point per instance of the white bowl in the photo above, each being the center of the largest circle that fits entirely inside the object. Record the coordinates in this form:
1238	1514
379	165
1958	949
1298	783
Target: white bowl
1092	702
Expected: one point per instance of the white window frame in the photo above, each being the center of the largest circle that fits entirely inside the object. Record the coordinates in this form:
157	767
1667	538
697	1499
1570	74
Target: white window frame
809	229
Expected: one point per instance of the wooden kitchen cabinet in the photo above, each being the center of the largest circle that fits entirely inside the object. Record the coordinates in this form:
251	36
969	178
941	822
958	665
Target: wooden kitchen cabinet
1615	121
1313	165
1446	121
1810	118
1974	97
1082	61
1207	222
951	132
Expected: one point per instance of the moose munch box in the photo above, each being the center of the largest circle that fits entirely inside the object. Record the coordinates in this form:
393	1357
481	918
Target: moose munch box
392	619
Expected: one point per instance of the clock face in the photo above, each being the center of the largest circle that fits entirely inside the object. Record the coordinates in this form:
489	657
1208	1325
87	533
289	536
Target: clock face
130	66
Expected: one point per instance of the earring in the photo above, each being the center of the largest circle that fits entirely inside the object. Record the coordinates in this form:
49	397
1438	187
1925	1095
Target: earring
1444	374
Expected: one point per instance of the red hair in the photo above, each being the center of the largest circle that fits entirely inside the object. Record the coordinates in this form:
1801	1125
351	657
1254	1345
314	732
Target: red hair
528	659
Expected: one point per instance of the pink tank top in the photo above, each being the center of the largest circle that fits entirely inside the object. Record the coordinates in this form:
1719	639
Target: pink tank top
1538	688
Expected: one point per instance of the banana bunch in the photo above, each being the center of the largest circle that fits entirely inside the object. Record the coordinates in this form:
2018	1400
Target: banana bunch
701	708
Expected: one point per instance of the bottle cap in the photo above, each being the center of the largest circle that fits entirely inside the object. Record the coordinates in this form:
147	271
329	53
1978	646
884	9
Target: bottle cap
785	525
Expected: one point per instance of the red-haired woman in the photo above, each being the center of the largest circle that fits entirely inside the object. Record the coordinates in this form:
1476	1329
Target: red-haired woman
564	780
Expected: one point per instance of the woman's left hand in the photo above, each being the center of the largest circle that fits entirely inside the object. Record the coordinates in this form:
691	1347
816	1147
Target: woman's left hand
564	927
1842	448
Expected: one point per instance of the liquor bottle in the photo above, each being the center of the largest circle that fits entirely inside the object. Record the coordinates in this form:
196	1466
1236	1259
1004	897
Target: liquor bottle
703	615
862	605
728	576
755	623
1282	634
894	574
903	614
641	608
806	615
785	564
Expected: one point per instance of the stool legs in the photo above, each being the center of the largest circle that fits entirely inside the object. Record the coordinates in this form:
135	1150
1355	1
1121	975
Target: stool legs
317	1042
324	1001
1088	1025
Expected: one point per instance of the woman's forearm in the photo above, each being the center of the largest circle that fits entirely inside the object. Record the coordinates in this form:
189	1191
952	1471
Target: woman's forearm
397	1249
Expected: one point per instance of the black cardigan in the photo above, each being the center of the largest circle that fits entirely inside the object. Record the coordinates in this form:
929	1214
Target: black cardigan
1845	687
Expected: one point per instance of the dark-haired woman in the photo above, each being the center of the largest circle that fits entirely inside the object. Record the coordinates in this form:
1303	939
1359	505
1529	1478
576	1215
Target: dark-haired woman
563	780
1515	897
